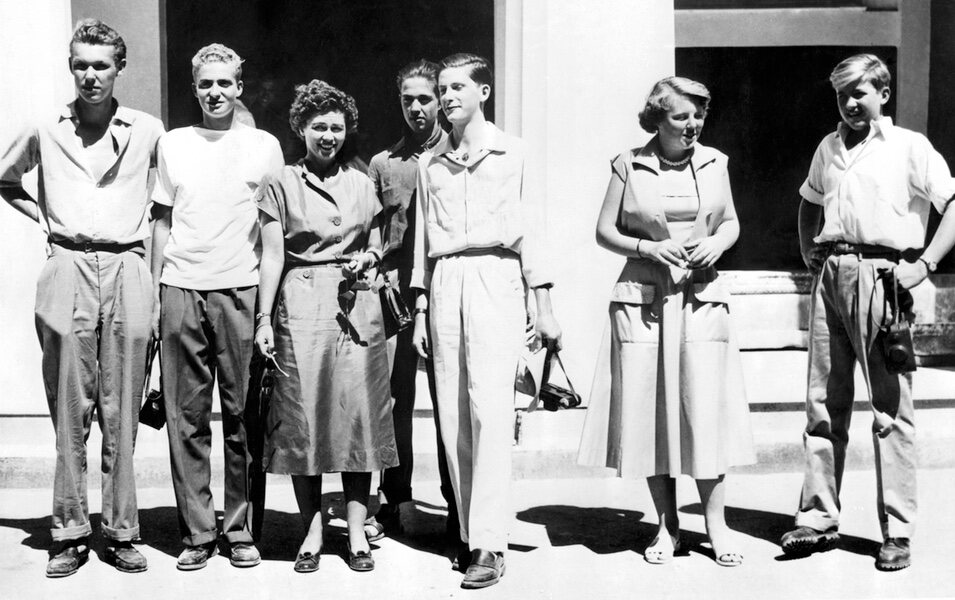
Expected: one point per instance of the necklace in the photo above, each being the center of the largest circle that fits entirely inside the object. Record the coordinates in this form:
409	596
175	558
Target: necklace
674	163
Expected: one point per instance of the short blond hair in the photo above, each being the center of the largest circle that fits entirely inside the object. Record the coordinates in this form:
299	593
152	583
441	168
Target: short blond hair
661	97
861	68
217	53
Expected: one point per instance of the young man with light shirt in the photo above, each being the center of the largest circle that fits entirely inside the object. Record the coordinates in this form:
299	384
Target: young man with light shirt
205	257
862	225
94	298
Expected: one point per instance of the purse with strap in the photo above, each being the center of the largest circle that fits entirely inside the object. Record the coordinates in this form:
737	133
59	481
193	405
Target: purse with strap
153	410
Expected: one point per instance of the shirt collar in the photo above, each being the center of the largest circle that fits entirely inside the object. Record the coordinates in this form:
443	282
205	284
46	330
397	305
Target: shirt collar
121	114
648	156
407	142
882	127
496	142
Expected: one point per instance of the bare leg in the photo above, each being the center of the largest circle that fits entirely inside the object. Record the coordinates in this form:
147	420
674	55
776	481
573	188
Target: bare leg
713	498
663	492
308	494
356	487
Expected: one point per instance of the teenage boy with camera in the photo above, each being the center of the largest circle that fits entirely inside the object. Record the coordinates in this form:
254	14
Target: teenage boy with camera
862	223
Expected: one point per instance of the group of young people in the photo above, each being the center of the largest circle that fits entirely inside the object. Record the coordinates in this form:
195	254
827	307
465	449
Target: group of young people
251	255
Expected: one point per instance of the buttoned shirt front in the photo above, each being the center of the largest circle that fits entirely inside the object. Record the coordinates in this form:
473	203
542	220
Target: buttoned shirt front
74	204
881	191
479	200
395	174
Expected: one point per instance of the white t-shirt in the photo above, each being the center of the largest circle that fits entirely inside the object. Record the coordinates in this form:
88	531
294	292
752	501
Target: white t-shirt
209	177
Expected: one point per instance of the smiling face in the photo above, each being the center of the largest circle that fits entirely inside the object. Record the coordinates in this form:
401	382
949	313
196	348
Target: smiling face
94	70
216	88
682	124
419	105
860	104
324	136
461	96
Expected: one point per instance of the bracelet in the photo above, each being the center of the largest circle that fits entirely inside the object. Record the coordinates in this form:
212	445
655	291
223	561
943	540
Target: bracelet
262	316
420	311
639	254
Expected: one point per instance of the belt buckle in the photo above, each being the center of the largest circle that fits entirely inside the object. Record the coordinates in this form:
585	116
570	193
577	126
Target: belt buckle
88	247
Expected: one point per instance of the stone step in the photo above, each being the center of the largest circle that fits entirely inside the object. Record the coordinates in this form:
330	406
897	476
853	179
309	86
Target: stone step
775	384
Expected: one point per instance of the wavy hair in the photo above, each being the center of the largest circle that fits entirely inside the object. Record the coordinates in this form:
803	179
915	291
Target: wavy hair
98	33
317	98
661	98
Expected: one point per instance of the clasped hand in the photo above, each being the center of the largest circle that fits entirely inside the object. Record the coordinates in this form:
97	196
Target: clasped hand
697	254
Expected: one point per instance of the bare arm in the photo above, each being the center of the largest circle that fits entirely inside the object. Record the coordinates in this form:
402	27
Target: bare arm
270	272
909	274
21	201
161	227
810	223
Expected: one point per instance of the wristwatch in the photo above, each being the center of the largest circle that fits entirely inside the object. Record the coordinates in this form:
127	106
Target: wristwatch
931	265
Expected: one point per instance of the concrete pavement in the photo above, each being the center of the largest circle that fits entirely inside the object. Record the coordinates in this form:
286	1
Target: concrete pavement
571	538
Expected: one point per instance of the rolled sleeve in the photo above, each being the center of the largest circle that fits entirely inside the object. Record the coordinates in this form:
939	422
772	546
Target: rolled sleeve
812	189
20	156
421	269
270	198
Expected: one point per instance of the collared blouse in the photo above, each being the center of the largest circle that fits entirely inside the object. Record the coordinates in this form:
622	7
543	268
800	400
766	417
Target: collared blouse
323	220
76	205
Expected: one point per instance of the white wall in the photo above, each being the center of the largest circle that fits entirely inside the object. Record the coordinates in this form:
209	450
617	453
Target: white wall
585	71
34	80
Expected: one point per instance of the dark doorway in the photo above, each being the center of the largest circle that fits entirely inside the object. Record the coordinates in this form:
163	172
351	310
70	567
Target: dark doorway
770	109
356	45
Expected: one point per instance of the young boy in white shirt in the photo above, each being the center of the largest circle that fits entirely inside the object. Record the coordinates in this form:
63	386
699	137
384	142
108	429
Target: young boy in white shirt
205	258
862	224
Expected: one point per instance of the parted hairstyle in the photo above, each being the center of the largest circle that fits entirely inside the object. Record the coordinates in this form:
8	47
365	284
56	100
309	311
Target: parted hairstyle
861	68
217	53
98	33
422	68
661	98
317	98
480	67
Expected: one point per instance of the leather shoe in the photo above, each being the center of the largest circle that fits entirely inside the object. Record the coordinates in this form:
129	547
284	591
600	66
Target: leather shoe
803	541
361	560
244	554
894	555
486	569
462	558
193	558
125	557
67	558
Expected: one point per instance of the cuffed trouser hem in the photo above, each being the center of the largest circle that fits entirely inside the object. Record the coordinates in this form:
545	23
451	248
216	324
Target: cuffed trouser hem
121	535
897	529
62	534
201	539
239	537
817	522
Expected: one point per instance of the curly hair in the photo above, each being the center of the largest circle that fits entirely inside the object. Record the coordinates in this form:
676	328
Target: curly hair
217	53
661	97
317	98
98	33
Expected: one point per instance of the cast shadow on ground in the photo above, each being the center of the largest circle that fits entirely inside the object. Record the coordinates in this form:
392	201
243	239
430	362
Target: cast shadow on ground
606	530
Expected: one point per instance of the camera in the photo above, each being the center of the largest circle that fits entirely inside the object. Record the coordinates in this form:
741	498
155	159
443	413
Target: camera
898	349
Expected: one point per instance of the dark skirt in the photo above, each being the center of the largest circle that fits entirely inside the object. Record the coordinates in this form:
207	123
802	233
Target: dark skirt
332	412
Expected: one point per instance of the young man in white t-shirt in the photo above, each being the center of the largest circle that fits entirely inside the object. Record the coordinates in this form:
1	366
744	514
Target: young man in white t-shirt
205	257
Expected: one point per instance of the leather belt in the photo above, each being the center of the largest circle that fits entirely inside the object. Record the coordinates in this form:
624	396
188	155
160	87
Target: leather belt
872	251
111	247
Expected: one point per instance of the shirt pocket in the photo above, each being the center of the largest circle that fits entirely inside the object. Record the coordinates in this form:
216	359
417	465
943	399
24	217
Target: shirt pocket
634	316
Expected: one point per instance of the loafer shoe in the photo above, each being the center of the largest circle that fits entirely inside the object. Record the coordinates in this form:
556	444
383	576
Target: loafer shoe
244	554
486	569
67	558
193	558
803	541
894	554
125	557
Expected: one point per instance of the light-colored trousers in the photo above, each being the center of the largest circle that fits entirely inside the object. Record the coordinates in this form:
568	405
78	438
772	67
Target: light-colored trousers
846	310
93	313
478	315
207	335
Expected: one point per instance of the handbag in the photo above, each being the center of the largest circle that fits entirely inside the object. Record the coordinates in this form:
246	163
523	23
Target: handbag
553	396
153	410
395	311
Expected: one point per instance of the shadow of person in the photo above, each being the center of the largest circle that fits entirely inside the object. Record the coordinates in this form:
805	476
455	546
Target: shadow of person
602	530
770	526
37	531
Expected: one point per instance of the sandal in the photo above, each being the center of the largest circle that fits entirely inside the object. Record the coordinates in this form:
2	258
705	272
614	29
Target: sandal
729	559
661	556
306	562
374	530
